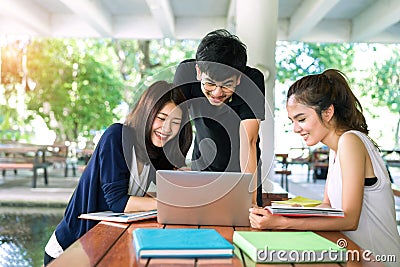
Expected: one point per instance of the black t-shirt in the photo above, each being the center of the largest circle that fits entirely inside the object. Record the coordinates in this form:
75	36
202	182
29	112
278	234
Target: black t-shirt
217	142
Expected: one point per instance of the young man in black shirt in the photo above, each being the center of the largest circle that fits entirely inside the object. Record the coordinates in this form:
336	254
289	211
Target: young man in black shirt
226	100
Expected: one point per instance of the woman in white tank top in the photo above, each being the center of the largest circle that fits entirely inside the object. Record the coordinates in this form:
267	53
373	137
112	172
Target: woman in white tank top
323	109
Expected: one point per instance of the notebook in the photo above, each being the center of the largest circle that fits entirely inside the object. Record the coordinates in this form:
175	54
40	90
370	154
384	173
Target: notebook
124	217
287	247
180	243
203	198
305	211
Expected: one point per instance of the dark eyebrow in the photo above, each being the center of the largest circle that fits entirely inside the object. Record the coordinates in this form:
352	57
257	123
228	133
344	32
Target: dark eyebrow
212	81
298	115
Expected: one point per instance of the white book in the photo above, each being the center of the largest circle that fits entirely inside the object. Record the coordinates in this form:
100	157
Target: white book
124	217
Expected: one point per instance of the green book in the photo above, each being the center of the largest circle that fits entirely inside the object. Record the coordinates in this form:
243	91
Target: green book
288	247
299	200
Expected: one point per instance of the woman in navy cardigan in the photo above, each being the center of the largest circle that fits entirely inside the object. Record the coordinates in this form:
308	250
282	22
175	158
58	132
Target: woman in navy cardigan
156	135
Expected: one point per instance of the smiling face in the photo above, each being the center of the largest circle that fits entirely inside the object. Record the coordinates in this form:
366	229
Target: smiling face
166	124
306	122
217	92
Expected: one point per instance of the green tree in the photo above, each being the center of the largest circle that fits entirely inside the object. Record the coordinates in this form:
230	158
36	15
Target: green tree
382	86
12	87
78	84
75	84
144	61
297	59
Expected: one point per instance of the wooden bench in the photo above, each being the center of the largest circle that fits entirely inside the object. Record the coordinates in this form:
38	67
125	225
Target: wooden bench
300	156
60	154
275	192
18	159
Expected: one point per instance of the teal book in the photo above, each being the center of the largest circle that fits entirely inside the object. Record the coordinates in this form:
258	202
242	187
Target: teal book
180	243
288	247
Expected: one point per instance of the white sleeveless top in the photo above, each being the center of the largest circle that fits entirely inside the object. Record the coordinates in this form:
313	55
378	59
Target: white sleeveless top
377	230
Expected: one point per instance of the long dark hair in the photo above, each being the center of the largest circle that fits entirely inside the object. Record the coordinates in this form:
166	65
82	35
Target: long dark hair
141	119
319	91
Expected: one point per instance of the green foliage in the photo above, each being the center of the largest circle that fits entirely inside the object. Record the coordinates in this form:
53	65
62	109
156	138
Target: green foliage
78	85
382	86
143	62
75	85
384	83
11	79
296	59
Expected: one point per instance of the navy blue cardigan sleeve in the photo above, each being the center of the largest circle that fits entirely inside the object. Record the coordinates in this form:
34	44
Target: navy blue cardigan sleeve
102	186
114	172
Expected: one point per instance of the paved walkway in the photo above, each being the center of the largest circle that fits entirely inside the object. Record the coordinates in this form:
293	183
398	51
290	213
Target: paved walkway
16	190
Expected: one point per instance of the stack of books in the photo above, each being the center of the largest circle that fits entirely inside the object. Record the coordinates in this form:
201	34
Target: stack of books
302	207
305	211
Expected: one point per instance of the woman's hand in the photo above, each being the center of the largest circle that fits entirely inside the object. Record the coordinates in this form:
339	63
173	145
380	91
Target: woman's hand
262	219
184	168
136	203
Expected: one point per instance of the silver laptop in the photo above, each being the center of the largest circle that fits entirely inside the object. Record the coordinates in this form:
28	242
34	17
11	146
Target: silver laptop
203	198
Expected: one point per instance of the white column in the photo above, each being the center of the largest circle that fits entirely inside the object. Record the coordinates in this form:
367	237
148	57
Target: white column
256	26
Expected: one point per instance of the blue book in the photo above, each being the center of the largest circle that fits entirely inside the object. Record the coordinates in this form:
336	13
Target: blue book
180	243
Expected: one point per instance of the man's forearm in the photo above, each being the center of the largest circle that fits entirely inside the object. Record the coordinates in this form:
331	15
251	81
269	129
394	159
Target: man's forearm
248	164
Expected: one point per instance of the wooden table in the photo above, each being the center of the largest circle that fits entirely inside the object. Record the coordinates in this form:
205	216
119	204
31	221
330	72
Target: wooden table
110	244
319	161
282	159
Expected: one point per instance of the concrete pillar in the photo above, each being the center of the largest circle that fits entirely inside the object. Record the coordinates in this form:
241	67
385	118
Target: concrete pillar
256	26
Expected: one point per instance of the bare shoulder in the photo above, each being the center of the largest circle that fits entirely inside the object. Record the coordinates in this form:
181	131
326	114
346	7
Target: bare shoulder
349	138
350	143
